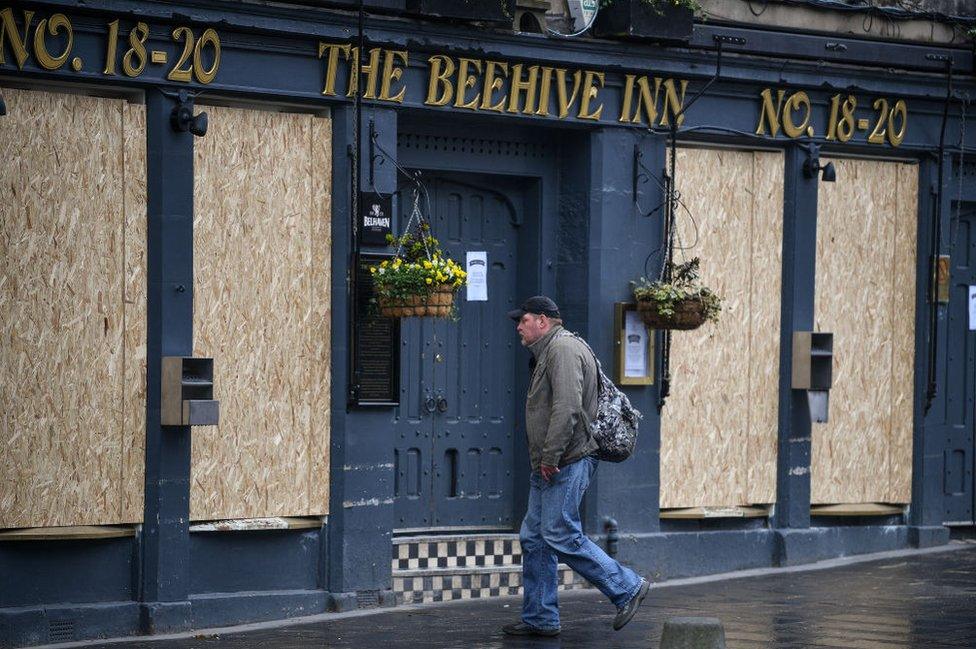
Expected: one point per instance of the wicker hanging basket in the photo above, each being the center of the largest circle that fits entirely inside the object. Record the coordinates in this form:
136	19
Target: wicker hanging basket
689	313
436	305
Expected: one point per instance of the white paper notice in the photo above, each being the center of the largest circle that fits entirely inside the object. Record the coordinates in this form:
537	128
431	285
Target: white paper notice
476	266
635	345
972	308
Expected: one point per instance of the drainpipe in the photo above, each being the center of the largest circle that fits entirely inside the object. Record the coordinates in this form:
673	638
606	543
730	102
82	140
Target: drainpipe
613	535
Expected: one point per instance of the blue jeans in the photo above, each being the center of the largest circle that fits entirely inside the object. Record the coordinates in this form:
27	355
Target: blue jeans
551	531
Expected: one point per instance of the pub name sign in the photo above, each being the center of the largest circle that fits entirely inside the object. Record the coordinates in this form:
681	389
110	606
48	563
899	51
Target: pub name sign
463	83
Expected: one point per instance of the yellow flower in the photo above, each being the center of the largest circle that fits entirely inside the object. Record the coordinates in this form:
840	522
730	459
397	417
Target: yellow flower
427	264
429	281
372	269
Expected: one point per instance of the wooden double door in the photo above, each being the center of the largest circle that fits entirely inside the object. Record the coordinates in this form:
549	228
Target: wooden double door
455	426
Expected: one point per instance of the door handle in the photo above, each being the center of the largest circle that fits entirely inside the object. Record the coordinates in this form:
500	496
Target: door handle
430	403
441	403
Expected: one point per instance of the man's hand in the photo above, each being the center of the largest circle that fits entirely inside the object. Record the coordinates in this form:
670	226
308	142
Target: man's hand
548	471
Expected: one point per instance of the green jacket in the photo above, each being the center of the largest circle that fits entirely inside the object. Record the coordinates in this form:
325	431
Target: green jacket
562	400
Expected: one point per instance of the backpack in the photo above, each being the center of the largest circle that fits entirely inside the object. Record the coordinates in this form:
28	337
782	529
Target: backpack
615	425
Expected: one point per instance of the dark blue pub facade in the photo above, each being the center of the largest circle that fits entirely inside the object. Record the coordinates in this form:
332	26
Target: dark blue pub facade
550	154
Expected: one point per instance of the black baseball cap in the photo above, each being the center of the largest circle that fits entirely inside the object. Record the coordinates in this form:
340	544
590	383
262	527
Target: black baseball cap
537	304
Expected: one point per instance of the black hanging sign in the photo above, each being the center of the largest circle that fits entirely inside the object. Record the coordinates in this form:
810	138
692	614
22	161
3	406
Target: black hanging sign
376	351
375	218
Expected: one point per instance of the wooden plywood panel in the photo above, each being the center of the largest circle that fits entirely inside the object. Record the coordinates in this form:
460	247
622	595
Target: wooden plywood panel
321	325
903	333
62	315
704	424
855	252
134	296
261	311
764	317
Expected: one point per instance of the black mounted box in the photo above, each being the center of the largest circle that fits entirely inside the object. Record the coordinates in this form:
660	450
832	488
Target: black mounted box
482	11
813	358
639	19
373	6
187	392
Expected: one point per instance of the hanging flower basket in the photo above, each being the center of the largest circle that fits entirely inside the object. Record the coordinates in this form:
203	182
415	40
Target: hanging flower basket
688	313
437	304
420	281
681	303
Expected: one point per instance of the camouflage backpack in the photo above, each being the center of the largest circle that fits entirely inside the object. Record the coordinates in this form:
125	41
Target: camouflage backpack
615	425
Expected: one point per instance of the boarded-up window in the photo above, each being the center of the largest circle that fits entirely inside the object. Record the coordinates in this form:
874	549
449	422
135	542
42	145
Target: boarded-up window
719	427
72	310
261	310
865	295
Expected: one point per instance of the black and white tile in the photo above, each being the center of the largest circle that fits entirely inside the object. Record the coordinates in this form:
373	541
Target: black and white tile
440	568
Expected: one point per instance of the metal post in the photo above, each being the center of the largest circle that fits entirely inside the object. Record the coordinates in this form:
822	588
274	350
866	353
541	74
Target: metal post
799	275
164	586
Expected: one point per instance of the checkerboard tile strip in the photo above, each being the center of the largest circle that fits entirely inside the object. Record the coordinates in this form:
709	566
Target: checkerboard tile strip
469	569
424	555
428	588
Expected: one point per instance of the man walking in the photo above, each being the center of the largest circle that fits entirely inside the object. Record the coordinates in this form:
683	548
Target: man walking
560	404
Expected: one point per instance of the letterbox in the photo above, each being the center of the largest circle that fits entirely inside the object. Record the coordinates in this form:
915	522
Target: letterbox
813	359
187	392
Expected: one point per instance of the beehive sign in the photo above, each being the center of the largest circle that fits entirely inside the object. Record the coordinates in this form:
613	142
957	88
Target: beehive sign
191	54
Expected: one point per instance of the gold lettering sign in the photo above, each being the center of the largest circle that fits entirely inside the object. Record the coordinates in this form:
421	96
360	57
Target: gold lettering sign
8	30
331	51
56	23
495	73
794	114
392	73
467	79
513	87
53	39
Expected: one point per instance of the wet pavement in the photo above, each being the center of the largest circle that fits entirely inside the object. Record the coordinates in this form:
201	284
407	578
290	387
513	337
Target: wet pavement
919	600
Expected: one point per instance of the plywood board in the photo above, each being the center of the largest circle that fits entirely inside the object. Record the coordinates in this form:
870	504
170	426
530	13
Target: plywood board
320	355
903	332
64	423
860	257
134	296
765	288
706	428
261	253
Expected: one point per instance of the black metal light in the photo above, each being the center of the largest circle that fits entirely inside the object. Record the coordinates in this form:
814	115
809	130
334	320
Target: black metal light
812	166
182	118
828	173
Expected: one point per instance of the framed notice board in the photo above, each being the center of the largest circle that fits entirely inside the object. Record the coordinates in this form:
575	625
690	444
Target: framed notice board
376	343
634	347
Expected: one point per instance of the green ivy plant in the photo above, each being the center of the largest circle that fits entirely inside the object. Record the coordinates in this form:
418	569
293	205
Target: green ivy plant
685	284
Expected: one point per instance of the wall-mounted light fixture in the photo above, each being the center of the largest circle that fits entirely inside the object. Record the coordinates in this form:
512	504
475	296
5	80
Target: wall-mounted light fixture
812	165
183	119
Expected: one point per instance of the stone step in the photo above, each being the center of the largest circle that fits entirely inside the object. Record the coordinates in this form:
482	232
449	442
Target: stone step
469	551
441	585
439	568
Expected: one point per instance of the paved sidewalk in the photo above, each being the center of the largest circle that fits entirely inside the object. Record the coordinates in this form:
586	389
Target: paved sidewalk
923	599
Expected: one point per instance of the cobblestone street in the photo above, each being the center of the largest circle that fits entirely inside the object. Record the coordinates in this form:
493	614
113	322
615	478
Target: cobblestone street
909	600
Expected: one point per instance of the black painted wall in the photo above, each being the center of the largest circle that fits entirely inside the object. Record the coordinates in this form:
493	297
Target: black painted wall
595	240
